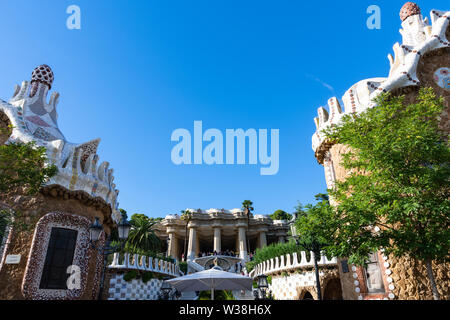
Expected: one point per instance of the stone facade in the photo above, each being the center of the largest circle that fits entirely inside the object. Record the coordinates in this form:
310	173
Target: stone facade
423	60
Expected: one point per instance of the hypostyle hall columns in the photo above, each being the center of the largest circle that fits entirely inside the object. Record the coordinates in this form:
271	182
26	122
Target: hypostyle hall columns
217	239
172	248
262	239
192	246
242	244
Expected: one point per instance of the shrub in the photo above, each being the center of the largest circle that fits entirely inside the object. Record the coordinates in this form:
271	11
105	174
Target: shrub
183	267
130	275
146	276
272	251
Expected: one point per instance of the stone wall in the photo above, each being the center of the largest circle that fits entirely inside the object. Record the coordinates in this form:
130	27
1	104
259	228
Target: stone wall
411	280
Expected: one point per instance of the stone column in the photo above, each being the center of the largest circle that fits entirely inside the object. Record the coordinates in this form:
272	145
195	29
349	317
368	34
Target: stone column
192	244
236	249
242	244
262	239
197	245
217	240
172	248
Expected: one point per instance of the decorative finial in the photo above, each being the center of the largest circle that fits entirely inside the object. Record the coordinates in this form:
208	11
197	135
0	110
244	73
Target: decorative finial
42	74
409	9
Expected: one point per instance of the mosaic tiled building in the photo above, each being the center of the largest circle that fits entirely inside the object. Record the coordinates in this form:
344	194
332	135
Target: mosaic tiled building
34	262
423	59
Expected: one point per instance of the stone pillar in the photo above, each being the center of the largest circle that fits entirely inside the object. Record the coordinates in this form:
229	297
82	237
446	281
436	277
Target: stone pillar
262	239
172	248
281	239
217	240
192	244
197	245
242	244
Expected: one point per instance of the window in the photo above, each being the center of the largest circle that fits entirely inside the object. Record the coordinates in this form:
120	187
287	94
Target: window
374	279
61	248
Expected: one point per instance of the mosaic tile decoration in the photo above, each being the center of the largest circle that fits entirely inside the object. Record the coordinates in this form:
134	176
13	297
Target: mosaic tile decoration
135	289
442	78
287	288
43	135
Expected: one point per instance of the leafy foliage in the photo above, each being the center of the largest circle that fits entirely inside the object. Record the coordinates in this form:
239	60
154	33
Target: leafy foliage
142	239
183	267
280	215
397	195
272	251
142	236
130	275
23	168
313	223
146	276
247	204
186	216
23	165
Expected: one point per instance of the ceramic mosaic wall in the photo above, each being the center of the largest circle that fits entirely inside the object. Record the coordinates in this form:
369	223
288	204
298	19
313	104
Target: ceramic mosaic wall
135	289
442	78
288	288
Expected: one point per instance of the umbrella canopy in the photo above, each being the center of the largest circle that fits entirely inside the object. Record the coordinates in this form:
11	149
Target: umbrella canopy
212	279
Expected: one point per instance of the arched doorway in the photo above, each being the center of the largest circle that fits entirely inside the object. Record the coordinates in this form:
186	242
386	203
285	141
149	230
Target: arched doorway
306	296
333	290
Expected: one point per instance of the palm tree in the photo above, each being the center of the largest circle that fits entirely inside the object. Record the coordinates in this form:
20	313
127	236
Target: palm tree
142	237
247	206
186	215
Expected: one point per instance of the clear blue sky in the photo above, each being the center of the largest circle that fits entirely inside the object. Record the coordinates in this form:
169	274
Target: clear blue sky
137	70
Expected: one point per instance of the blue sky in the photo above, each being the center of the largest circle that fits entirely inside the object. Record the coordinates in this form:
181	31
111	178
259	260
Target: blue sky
137	70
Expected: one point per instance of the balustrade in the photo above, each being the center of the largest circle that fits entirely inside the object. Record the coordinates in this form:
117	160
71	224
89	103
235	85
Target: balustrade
289	262
144	263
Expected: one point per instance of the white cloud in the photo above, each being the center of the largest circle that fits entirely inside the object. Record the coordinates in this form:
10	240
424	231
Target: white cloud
324	84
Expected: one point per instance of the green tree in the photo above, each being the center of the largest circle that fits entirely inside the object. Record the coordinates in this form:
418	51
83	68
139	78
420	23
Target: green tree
271	251
397	194
247	205
142	238
313	222
186	216
24	168
280	215
24	165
